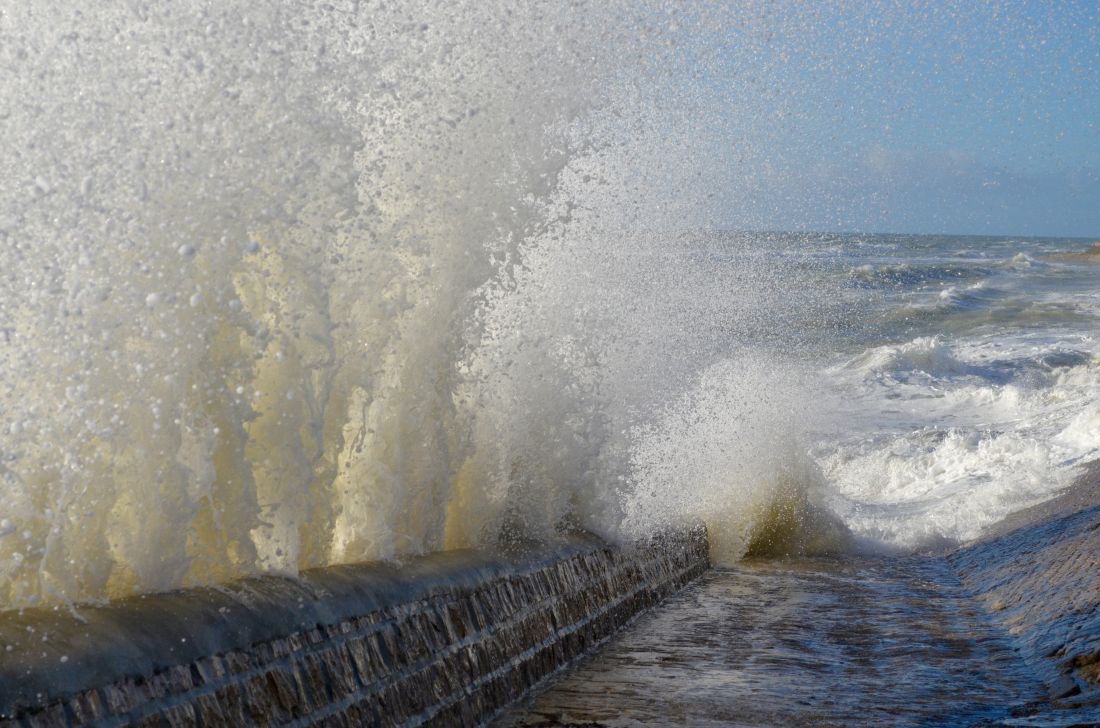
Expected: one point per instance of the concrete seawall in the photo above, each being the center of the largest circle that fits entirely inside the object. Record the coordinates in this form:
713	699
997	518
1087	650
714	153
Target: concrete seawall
1038	577
447	639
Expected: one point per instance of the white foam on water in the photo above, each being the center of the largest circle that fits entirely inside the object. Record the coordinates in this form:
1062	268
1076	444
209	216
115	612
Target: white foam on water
946	440
924	357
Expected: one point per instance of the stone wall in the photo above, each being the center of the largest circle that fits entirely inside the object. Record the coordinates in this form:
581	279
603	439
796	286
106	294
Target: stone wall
1041	582
450	639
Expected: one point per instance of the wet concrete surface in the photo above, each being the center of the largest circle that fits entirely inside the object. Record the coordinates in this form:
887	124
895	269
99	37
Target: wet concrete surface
807	642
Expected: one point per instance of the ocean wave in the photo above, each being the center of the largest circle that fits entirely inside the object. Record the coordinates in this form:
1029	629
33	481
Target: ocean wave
908	495
990	429
908	275
928	355
1020	262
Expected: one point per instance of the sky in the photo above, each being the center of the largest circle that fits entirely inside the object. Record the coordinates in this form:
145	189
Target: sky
965	118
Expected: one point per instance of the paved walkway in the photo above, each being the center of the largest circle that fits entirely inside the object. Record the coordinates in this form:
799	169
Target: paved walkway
811	642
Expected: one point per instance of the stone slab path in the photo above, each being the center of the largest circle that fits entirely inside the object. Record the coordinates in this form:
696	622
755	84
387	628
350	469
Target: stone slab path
809	642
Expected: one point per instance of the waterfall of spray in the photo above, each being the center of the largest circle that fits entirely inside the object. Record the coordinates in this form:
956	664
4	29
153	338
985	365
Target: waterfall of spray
314	283
631	381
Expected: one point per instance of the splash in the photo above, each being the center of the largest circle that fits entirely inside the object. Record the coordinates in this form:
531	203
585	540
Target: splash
730	453
318	283
307	284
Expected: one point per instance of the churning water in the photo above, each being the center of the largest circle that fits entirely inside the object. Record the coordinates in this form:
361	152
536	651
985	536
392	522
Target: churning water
322	282
972	390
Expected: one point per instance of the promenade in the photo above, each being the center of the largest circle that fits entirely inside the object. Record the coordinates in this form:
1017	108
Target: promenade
1005	631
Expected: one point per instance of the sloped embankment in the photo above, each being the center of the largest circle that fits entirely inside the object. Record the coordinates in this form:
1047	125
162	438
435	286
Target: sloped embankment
1039	578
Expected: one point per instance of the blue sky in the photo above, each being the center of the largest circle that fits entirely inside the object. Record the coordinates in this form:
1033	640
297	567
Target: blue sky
913	117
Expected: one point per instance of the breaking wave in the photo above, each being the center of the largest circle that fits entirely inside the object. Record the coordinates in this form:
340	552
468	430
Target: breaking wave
291	285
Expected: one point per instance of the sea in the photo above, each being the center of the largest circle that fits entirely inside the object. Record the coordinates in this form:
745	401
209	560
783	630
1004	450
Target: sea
969	389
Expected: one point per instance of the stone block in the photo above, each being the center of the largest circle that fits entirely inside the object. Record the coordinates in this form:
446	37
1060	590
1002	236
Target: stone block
121	698
210	711
231	697
51	717
238	661
311	673
361	656
180	678
87	707
288	695
337	663
181	716
211	669
261	702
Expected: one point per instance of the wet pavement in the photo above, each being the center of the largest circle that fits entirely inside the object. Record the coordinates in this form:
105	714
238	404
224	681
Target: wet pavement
808	642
